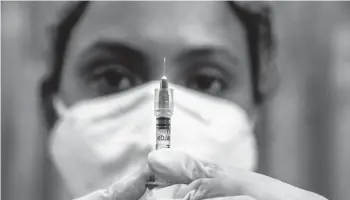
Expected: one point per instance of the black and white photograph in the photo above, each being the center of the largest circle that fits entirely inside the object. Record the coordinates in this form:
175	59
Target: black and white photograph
175	100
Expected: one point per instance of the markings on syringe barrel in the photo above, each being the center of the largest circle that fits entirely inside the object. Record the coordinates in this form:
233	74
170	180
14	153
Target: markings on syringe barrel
163	132
163	137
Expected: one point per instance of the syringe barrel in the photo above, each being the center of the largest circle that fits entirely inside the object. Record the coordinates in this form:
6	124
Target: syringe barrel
163	102
163	110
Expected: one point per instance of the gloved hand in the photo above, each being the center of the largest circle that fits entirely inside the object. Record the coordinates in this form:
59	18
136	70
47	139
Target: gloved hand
131	187
201	180
193	179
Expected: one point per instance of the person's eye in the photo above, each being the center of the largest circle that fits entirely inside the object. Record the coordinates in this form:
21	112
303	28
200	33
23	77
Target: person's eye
111	79
208	80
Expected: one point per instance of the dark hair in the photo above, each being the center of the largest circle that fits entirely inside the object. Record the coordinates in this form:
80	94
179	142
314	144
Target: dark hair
258	33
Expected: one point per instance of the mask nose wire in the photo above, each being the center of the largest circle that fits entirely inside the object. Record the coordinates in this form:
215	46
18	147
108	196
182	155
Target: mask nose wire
187	107
193	113
146	90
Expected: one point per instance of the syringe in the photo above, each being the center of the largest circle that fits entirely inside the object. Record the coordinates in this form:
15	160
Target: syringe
163	110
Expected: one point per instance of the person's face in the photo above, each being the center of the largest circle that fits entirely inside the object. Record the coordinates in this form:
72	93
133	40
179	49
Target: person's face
118	45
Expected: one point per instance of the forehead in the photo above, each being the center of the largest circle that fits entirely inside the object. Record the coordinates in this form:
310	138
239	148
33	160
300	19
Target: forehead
169	14
194	23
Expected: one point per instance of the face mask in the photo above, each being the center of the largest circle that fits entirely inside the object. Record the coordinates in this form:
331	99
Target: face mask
97	142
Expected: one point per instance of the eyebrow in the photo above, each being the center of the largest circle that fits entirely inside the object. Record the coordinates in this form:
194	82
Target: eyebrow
206	51
103	50
122	48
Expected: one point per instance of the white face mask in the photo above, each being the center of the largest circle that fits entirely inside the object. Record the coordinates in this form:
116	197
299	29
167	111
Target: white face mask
97	142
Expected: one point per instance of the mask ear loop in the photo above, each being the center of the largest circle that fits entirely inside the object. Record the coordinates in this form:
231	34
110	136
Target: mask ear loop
59	106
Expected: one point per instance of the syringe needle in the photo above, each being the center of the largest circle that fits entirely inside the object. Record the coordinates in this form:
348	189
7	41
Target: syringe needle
164	66
163	82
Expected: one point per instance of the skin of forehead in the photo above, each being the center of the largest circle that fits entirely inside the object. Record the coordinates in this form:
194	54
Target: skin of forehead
166	26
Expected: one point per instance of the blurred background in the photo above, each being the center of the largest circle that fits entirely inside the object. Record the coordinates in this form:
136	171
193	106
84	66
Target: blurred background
307	122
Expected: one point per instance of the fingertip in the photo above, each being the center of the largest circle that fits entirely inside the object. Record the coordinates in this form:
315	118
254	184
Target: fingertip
164	157
158	161
162	152
179	166
168	164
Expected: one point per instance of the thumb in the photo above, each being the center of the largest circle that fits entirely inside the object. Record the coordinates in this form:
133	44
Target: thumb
131	187
177	167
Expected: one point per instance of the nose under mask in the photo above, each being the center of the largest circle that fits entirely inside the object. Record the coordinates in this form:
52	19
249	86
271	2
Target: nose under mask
97	142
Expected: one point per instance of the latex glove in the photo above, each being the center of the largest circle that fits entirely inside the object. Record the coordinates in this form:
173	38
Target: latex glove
131	187
207	180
